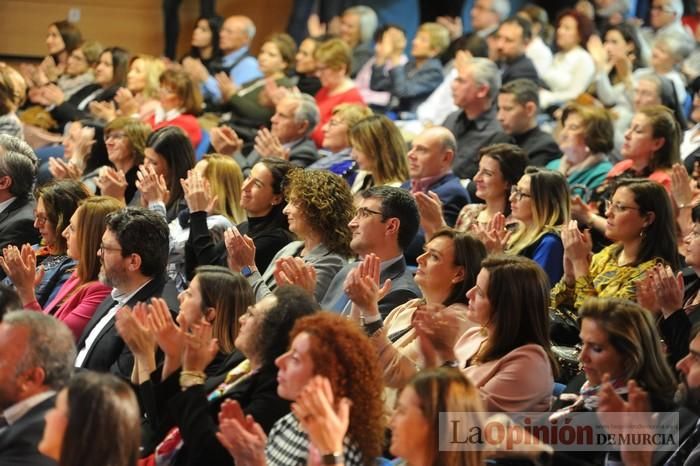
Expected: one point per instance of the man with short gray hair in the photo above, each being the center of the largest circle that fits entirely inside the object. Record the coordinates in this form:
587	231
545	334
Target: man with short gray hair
474	125
36	360
17	175
295	118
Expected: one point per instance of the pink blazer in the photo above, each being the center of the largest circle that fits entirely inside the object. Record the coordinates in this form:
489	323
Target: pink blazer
79	307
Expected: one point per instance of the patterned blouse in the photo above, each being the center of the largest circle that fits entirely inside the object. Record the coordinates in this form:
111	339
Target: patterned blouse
605	279
288	445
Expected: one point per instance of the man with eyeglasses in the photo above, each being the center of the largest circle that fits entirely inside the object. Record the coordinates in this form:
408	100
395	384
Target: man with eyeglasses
665	18
134	257
17	175
385	223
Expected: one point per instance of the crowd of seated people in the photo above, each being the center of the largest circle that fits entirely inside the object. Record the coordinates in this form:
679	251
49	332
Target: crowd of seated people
304	254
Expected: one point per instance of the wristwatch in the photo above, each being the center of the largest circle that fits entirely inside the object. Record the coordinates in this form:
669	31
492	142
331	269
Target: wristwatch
247	271
333	458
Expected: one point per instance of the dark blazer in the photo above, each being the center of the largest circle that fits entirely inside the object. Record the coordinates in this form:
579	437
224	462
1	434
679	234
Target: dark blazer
19	441
302	154
453	197
68	111
520	68
539	146
410	85
109	353
197	418
403	288
17	225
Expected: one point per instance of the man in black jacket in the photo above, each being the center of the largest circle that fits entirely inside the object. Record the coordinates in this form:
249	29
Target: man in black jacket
134	256
518	105
36	360
17	172
512	38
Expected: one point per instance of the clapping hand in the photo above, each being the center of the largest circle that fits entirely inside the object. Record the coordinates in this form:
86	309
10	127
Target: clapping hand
126	102
240	249
112	183
268	145
578	248
198	193
200	348
430	210
325	421
363	287
242	437
152	185
226	85
225	140
294	271
661	290
62	170
495	235
20	266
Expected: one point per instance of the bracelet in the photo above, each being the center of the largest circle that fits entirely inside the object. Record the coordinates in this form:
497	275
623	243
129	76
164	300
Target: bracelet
336	457
684	205
191	378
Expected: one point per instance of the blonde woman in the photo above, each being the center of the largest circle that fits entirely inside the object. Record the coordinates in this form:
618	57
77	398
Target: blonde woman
218	180
140	96
379	152
540	205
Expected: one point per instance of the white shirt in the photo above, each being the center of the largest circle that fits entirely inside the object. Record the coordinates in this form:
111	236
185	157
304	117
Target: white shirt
540	54
121	299
5	204
15	412
691	141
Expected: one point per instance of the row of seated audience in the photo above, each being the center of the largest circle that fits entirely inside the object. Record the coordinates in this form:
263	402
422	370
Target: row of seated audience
262	260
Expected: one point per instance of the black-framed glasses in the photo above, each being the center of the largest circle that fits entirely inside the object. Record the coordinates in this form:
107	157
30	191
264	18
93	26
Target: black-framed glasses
364	212
104	248
618	208
517	193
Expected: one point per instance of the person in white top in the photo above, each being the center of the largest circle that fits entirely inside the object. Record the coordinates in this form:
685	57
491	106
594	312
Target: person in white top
572	70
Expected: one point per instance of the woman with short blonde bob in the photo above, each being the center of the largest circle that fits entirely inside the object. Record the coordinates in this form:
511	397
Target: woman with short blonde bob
379	152
78	298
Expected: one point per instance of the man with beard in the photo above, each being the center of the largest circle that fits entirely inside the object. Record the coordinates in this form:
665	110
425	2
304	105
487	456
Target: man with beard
688	396
134	256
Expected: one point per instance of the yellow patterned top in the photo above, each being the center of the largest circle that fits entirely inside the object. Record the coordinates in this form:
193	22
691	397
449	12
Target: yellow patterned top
605	279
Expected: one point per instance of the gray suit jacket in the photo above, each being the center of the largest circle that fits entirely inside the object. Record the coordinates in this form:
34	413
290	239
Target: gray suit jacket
302	154
403	288
326	263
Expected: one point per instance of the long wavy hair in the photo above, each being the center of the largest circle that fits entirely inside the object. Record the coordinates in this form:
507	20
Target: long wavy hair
327	204
380	140
342	352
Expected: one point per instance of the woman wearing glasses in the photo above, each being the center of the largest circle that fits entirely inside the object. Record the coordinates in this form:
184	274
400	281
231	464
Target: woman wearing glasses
80	295
540	205
640	224
650	149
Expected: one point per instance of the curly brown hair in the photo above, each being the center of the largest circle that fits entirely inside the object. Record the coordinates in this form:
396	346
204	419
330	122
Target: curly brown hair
342	352
327	203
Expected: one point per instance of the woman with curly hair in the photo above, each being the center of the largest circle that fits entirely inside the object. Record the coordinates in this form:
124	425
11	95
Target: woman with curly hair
329	357
319	208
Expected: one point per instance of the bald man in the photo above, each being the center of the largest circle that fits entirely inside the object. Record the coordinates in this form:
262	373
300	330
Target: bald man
235	37
430	168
